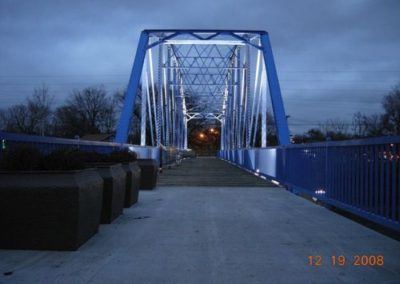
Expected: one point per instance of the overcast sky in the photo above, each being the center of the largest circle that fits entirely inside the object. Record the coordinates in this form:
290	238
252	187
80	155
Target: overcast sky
333	57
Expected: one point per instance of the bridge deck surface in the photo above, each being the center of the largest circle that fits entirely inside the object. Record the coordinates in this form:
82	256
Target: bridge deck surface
214	235
209	171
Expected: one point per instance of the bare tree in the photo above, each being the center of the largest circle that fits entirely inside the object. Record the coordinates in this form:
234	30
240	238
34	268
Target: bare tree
373	125
358	125
66	122
3	119
391	117
40	110
336	125
88	111
367	126
33	117
18	119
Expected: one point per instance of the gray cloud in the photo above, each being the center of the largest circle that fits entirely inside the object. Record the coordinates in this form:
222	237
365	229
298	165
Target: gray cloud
333	57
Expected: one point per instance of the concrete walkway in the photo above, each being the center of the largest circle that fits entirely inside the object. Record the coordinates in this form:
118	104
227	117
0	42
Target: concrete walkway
214	235
209	171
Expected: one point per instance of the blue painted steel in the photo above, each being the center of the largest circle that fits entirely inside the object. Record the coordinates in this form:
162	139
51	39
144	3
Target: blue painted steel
359	176
275	91
194	33
242	35
126	114
206	31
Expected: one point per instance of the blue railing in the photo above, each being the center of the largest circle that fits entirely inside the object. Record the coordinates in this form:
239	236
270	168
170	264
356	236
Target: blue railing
49	144
359	176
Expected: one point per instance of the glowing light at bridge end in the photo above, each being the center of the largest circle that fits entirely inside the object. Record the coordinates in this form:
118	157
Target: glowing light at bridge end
275	182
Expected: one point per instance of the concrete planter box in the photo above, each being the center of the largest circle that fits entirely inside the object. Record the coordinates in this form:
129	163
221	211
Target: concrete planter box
149	174
113	190
49	210
133	172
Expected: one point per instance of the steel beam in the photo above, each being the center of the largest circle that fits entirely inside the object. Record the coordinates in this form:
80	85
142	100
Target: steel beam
143	106
263	94
130	98
275	92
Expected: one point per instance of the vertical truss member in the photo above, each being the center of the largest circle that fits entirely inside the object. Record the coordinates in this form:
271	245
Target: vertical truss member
204	74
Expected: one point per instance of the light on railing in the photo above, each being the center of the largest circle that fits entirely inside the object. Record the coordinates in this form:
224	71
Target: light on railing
275	182
258	170
320	191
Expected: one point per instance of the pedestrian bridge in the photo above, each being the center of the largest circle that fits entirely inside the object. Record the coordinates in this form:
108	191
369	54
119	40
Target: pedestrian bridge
228	78
238	217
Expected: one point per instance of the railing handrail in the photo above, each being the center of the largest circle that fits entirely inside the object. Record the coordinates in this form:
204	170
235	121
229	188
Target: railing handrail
68	141
341	143
353	142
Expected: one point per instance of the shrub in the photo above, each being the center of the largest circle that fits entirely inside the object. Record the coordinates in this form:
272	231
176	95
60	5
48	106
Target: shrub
122	156
21	157
65	159
24	157
93	157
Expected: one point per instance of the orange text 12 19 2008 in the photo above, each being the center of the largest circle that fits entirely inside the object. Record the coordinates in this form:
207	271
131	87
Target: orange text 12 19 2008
341	260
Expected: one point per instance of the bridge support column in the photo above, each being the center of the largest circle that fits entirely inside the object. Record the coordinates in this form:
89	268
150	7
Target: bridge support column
275	91
185	133
143	117
130	98
263	94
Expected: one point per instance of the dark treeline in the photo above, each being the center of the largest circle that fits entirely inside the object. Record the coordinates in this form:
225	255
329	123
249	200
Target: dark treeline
362	125
92	110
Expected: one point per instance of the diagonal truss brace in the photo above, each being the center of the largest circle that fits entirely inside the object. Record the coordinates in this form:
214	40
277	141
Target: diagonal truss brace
203	35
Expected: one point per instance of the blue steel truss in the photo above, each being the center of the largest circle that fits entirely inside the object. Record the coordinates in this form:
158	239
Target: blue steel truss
221	75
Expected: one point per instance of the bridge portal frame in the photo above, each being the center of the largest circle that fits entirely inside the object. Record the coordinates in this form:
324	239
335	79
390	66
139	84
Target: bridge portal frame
269	63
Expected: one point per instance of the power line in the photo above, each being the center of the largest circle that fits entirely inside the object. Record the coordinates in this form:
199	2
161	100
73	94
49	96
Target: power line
341	71
329	90
324	123
127	74
63	75
282	80
61	84
125	83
